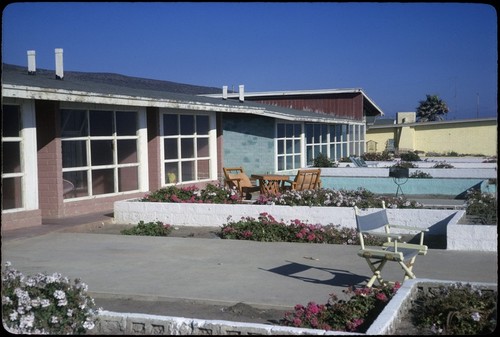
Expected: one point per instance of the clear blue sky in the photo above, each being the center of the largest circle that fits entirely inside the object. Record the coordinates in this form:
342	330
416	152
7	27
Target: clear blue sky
396	52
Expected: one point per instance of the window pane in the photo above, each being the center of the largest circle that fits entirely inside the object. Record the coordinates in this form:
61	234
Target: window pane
281	163
202	144
74	153
317	133
76	184
171	173
281	130
187	171
102	152
296	161
324	133
297	146
11	121
289	146
11	193
170	148
74	123
187	124
128	179
11	157
101	123
297	130
289	130
126	123
309	155
202	125
102	181
281	148
309	133
203	169
289	162
170	125
127	151
187	148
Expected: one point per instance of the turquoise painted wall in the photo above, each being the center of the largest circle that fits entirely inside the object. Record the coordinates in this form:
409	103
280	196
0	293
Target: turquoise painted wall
248	141
451	187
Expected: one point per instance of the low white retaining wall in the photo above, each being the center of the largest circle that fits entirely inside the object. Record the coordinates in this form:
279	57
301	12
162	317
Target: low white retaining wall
472	237
189	214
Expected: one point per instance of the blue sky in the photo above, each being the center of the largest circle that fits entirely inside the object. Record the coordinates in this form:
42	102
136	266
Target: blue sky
396	52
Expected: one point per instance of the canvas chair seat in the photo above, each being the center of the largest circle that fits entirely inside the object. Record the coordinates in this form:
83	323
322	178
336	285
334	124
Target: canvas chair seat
306	179
392	250
235	177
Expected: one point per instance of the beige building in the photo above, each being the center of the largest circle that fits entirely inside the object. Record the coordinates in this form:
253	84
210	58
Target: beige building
468	136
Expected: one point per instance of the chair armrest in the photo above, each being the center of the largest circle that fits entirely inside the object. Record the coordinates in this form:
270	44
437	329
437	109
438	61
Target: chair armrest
385	235
420	229
380	253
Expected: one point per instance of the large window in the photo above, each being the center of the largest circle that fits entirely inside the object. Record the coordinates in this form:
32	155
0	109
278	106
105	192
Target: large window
99	152
186	151
12	163
336	141
289	149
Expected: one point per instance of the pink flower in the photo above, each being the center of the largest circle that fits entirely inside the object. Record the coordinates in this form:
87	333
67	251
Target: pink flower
381	297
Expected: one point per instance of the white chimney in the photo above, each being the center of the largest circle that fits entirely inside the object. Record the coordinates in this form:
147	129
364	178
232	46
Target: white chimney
31	62
224	92
242	93
59	63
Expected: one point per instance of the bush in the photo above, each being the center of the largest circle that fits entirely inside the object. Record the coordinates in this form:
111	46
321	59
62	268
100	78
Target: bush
483	206
337	198
377	156
266	228
353	315
420	175
323	161
455	310
405	164
212	194
45	304
443	165
410	156
149	229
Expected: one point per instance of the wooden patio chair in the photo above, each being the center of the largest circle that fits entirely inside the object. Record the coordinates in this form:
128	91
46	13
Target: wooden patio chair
392	250
306	179
235	177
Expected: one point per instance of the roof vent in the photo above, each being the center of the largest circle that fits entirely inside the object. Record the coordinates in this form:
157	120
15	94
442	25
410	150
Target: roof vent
31	62
59	63
242	93
224	92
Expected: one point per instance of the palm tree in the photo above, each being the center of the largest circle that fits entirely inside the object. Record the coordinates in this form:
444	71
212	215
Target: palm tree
432	109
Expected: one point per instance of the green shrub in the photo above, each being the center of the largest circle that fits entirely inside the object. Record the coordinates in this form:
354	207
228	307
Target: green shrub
323	161
405	164
410	156
149	229
483	206
266	228
377	156
213	194
420	175
460	309
45	304
443	165
336	198
355	314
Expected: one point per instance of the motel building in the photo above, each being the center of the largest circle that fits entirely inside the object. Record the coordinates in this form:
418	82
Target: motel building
73	143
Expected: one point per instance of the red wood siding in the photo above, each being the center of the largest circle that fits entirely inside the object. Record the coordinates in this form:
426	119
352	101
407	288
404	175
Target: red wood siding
347	105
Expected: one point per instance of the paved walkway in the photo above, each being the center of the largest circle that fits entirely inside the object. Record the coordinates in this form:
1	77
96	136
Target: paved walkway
213	270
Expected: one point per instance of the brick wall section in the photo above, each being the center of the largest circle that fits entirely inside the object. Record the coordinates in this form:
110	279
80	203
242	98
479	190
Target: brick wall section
21	219
249	142
50	187
153	124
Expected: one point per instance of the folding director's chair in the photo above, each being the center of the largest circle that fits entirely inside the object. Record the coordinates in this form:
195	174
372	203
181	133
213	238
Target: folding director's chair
391	250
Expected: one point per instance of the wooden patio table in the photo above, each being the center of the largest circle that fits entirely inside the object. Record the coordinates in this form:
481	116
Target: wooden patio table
270	183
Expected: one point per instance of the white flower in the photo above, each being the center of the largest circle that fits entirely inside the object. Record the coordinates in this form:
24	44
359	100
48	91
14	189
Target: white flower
45	303
13	315
89	325
62	302
54	319
27	321
59	294
70	313
476	316
6	300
